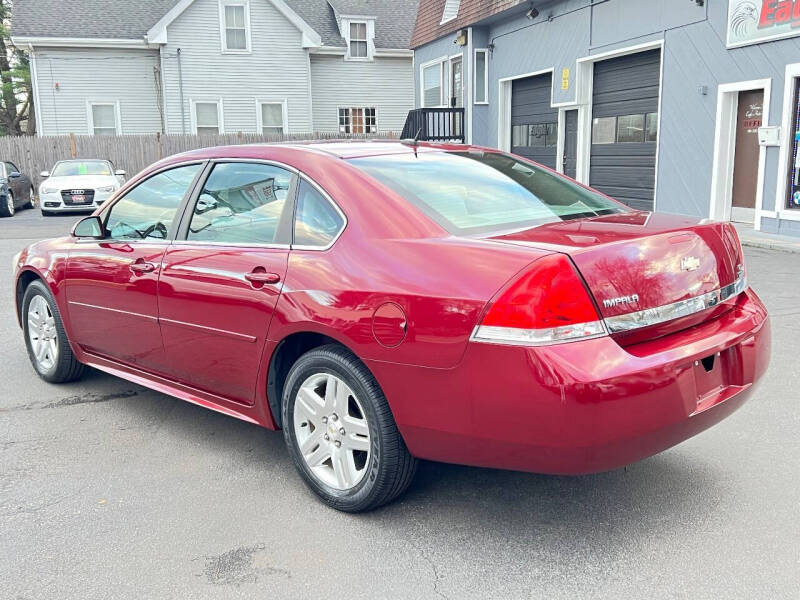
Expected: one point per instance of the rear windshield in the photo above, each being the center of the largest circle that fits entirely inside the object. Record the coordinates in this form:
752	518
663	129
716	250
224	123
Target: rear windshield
475	192
68	168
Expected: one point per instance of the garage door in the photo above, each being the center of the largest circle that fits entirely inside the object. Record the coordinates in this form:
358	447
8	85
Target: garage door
534	123
625	128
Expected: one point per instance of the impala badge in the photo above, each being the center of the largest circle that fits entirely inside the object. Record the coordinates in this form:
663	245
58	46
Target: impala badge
612	302
690	263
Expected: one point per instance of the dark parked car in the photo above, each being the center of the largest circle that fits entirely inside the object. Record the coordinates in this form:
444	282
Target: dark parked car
16	190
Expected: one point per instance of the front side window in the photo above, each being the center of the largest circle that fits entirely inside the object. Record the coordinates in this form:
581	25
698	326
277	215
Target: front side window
10	168
358	40
432	85
241	203
475	192
357	120
235	37
206	117
147	212
317	222
104	119
272	118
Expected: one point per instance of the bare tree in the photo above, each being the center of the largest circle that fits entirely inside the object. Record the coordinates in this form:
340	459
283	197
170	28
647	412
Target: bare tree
16	97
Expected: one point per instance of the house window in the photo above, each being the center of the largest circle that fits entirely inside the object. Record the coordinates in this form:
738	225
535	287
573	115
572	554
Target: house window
272	122
432	88
235	24
207	118
104	118
450	11
357	120
481	76
358	40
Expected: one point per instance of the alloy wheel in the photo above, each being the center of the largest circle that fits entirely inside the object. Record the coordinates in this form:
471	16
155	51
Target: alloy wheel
10	204
332	432
42	333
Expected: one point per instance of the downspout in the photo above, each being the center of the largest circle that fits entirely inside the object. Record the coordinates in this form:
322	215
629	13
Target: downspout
180	91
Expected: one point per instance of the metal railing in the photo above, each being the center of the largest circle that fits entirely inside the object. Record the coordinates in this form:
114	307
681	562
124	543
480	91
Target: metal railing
435	125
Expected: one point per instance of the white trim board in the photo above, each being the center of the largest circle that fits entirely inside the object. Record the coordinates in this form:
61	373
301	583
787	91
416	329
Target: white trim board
725	149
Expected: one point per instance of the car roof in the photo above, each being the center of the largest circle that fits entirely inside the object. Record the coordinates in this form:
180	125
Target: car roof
344	149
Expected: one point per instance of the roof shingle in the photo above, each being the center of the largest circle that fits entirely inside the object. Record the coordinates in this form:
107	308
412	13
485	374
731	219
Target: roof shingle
131	19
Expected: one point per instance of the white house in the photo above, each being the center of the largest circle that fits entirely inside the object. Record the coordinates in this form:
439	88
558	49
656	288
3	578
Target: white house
218	66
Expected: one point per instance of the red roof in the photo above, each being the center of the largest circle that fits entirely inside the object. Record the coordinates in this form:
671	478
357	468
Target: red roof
428	26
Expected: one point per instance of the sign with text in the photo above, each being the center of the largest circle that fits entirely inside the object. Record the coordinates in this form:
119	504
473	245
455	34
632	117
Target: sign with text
756	21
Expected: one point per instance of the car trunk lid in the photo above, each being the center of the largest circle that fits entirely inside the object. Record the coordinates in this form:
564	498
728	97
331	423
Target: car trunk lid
636	261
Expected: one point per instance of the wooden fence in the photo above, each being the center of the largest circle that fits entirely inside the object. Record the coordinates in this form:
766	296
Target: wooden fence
130	152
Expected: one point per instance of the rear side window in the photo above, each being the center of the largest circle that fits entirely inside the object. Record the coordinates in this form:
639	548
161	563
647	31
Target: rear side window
317	222
148	210
476	192
241	203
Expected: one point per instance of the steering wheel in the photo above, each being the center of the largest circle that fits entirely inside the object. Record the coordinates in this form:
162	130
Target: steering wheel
156	227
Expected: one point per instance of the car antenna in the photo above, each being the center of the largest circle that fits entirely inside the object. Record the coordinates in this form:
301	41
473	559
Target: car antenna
414	143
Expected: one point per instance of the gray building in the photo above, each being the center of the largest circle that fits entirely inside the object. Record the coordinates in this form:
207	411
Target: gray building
682	106
217	66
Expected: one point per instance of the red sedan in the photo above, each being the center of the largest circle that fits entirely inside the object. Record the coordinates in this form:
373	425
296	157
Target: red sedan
383	303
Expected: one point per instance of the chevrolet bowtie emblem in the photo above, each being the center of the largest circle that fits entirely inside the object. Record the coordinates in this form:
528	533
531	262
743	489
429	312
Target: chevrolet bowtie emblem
690	263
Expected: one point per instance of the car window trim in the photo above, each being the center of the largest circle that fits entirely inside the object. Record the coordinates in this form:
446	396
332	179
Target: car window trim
181	232
332	202
178	213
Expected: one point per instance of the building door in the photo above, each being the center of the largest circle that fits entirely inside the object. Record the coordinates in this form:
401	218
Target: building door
745	162
534	122
570	160
625	128
457	83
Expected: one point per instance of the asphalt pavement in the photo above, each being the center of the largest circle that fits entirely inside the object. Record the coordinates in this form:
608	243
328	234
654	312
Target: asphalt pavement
109	490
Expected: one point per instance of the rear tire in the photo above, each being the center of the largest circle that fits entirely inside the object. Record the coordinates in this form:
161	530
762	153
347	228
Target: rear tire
7	208
31	199
45	338
372	455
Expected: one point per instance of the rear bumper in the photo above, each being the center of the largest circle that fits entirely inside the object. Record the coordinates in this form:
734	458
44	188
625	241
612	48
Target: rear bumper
583	407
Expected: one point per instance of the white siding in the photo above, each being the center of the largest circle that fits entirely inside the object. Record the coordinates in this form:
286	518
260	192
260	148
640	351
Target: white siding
277	68
385	83
124	76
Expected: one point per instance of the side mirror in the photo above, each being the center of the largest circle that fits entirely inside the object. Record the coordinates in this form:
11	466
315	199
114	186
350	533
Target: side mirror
89	228
120	172
14	174
44	174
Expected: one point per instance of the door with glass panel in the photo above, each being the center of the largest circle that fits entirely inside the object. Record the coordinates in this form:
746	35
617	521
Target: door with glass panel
222	277
111	284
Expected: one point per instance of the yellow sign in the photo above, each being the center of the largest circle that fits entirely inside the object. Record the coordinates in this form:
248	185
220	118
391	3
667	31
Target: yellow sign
565	78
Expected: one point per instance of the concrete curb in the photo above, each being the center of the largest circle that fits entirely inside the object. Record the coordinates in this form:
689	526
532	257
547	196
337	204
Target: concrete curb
768	244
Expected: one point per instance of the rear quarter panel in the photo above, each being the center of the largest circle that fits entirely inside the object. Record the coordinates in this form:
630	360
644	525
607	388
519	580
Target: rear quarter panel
442	285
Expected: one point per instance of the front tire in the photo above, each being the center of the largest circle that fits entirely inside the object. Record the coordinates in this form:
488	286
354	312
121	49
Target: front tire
45	338
341	434
7	208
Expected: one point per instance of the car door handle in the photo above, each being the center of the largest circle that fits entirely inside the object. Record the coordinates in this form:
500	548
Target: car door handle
143	267
262	277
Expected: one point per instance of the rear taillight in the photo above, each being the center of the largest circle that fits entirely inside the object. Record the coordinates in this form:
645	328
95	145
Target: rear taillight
548	304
